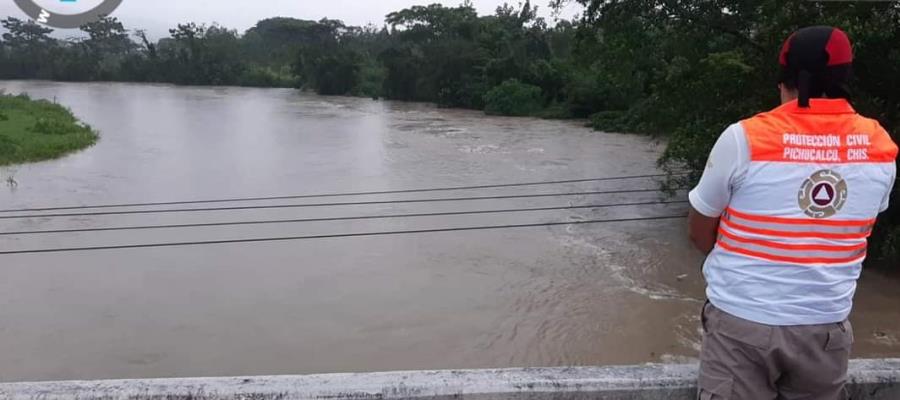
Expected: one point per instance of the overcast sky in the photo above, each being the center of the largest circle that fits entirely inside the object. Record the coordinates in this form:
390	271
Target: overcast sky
158	15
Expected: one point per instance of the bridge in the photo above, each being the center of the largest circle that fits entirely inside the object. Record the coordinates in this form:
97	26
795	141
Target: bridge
870	380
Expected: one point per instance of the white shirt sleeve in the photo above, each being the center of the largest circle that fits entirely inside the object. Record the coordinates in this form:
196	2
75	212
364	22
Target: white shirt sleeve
727	166
887	198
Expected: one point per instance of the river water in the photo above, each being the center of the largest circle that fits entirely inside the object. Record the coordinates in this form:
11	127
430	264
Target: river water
614	293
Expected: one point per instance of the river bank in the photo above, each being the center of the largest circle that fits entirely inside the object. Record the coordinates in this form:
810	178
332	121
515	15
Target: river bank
38	130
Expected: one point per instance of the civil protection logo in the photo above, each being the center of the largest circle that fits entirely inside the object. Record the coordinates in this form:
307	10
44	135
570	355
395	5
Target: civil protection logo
823	195
67	21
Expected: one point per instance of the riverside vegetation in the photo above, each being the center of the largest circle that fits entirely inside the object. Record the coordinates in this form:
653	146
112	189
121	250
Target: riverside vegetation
37	130
679	69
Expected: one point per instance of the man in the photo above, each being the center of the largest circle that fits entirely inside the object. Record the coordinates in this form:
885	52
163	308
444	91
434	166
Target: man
784	210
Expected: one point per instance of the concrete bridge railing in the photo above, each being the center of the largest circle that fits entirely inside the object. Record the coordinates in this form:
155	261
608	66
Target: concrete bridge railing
870	380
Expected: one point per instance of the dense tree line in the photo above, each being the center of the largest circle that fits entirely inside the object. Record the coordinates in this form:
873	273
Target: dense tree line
684	69
193	54
448	55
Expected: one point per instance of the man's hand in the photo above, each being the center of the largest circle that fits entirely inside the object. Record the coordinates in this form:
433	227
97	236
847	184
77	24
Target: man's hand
703	231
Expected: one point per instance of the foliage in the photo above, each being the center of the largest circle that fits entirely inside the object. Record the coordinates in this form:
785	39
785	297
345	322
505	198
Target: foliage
53	126
26	48
259	76
891	245
688	68
371	79
106	49
36	130
513	98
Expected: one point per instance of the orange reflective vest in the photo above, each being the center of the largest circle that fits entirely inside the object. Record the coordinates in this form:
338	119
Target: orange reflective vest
816	182
793	239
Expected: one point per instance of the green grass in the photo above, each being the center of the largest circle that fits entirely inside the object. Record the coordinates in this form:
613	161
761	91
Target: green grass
38	130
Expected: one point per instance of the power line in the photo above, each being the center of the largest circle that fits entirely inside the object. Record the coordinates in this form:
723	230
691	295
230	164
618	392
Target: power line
342	235
366	217
310	196
184	210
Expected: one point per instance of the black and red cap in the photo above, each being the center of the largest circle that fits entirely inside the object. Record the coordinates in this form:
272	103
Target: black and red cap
817	61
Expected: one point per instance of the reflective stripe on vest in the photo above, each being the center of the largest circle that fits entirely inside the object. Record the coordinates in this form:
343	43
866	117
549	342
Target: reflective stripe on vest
798	228
804	259
776	248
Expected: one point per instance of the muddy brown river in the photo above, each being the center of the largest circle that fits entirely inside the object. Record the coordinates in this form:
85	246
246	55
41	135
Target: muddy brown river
613	293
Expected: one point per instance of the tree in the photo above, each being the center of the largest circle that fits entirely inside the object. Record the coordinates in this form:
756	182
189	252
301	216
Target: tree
28	47
513	98
323	62
106	48
108	35
276	41
200	54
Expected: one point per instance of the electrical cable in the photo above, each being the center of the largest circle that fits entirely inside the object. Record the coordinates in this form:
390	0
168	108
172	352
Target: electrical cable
330	236
185	210
329	219
310	196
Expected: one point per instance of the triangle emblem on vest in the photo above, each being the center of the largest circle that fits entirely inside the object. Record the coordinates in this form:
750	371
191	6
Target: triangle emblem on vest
822	194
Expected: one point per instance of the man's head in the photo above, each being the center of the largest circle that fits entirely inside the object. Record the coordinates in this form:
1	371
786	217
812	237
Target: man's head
815	62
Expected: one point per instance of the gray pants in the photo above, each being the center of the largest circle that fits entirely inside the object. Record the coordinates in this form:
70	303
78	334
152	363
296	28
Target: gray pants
743	360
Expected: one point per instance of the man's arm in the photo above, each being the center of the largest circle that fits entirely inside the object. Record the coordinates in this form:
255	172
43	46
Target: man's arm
727	162
703	231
